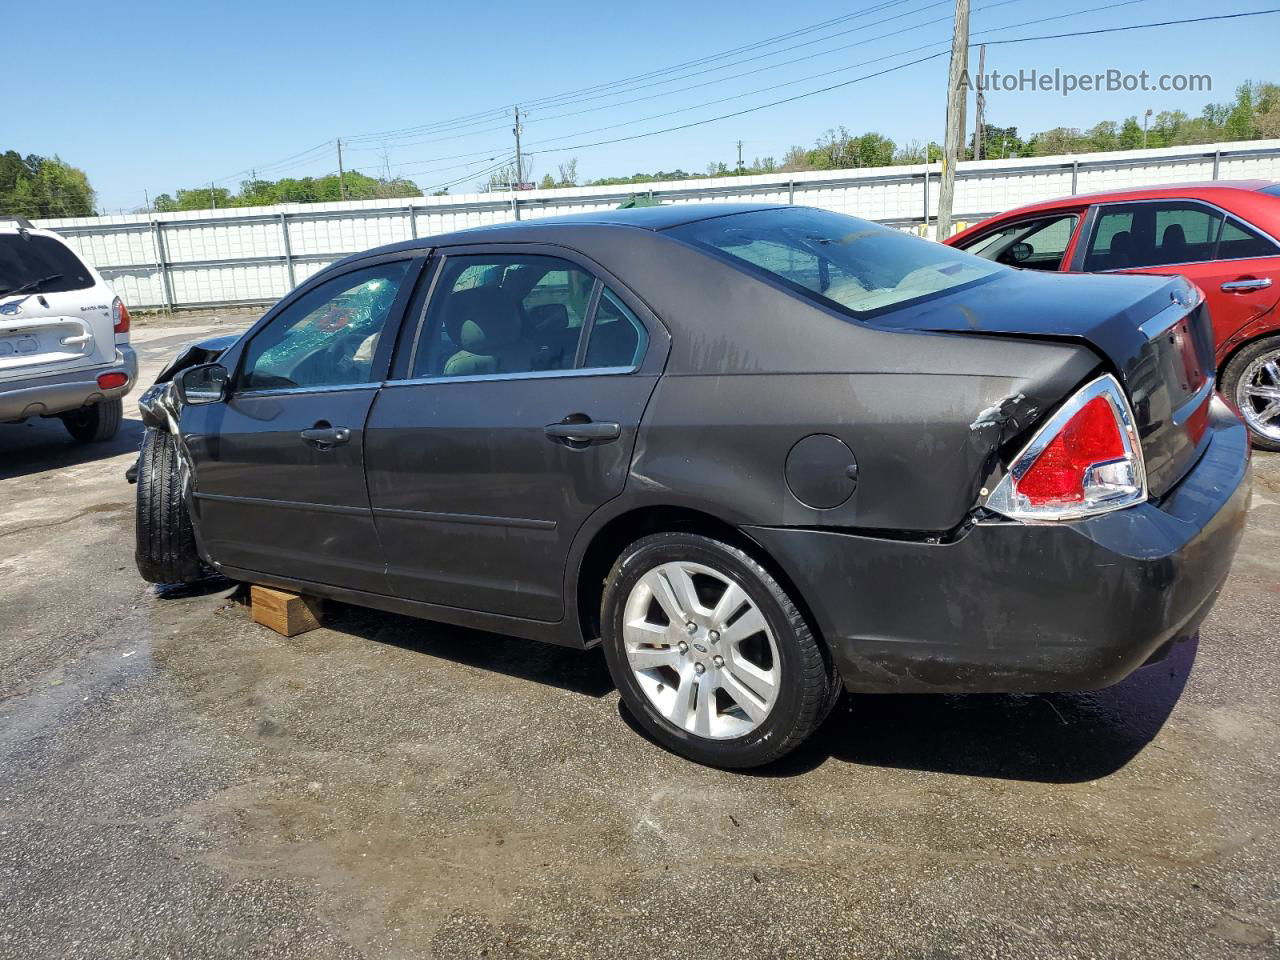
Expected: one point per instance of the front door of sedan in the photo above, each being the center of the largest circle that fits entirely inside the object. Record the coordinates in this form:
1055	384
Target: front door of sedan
1237	268
515	420
279	485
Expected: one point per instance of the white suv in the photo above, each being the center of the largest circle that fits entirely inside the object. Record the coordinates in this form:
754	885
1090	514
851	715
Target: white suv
64	336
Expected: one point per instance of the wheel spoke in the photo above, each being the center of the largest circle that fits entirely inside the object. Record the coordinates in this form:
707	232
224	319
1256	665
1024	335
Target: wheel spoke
729	603
650	658
743	697
705	708
748	625
1271	410
1261	390
1273	370
759	681
682	704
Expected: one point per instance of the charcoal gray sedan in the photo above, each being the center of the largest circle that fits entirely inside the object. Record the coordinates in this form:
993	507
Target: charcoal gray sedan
759	454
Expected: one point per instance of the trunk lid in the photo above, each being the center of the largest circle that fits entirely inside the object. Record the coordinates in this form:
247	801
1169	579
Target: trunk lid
54	333
1153	332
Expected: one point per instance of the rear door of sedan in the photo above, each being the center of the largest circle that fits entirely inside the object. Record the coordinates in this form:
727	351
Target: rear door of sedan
512	417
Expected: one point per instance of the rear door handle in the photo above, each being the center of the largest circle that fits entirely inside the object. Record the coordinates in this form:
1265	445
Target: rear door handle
326	438
590	432
1253	283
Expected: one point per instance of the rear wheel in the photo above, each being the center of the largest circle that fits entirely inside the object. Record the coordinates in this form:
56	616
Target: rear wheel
710	655
165	540
1252	382
96	422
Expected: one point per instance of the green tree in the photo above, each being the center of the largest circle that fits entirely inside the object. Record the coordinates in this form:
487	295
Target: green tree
548	182
35	186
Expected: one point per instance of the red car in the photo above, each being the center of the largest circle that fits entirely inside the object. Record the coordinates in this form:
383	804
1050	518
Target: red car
1220	236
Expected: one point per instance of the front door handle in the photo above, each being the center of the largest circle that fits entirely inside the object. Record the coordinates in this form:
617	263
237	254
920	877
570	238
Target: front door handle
592	431
1251	283
326	438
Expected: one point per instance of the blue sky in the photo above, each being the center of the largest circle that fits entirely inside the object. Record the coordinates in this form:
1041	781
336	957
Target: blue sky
151	96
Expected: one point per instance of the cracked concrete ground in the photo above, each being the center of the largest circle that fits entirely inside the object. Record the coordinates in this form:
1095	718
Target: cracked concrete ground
177	782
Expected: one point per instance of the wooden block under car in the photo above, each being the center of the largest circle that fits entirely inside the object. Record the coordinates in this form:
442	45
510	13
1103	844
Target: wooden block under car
285	613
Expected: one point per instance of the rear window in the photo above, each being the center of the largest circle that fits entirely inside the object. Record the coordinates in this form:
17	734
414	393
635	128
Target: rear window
855	264
27	258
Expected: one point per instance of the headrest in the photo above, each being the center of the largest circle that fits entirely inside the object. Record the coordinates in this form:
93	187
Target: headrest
1120	242
482	320
1174	236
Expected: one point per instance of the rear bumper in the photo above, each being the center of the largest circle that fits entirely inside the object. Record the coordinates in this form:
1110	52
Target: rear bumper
58	393
1017	607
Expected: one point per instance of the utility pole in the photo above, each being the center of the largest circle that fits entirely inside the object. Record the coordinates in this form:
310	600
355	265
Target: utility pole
1145	117
519	156
954	144
739	170
213	197
342	180
979	102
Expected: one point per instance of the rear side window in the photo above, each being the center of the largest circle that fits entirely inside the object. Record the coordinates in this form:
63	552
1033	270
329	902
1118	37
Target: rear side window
854	264
1164	233
25	259
1239	243
617	337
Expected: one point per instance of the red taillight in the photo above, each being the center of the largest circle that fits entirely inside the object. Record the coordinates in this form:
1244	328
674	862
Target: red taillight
1090	437
1086	459
120	316
109	381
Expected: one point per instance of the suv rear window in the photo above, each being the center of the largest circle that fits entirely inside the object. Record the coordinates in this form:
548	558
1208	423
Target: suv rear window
24	259
851	263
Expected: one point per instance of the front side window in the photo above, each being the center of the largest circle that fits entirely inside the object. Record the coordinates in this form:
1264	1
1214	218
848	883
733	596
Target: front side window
329	336
495	315
852	263
40	265
1038	244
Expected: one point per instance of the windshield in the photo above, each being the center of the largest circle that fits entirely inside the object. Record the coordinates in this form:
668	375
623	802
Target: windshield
26	259
855	264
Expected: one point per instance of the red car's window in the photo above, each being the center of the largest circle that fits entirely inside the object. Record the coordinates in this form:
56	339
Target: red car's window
1238	242
1038	244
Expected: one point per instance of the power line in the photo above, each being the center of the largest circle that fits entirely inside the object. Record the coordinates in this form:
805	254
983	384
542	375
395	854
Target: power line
826	73
887	70
495	112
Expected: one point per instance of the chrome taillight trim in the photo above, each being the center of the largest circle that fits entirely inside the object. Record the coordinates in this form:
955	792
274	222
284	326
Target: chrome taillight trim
1003	499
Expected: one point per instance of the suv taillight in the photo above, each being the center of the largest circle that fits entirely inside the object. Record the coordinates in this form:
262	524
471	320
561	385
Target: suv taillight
119	316
1084	461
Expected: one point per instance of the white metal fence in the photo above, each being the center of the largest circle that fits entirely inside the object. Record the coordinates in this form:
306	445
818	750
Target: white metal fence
257	254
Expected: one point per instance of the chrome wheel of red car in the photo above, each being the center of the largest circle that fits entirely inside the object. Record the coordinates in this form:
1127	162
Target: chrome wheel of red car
1252	381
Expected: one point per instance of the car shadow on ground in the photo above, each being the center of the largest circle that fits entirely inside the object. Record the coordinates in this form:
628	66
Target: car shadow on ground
1047	738
39	445
577	671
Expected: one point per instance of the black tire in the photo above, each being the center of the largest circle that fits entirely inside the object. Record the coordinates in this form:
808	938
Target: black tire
166	543
808	685
96	422
1231	375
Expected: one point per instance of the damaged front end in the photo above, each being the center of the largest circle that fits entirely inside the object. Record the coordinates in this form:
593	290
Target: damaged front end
159	405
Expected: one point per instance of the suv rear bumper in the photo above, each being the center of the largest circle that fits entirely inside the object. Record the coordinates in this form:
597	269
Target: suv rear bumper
61	392
1020	607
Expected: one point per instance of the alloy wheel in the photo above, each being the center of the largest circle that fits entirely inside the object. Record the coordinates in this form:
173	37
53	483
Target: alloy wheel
701	650
1258	395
